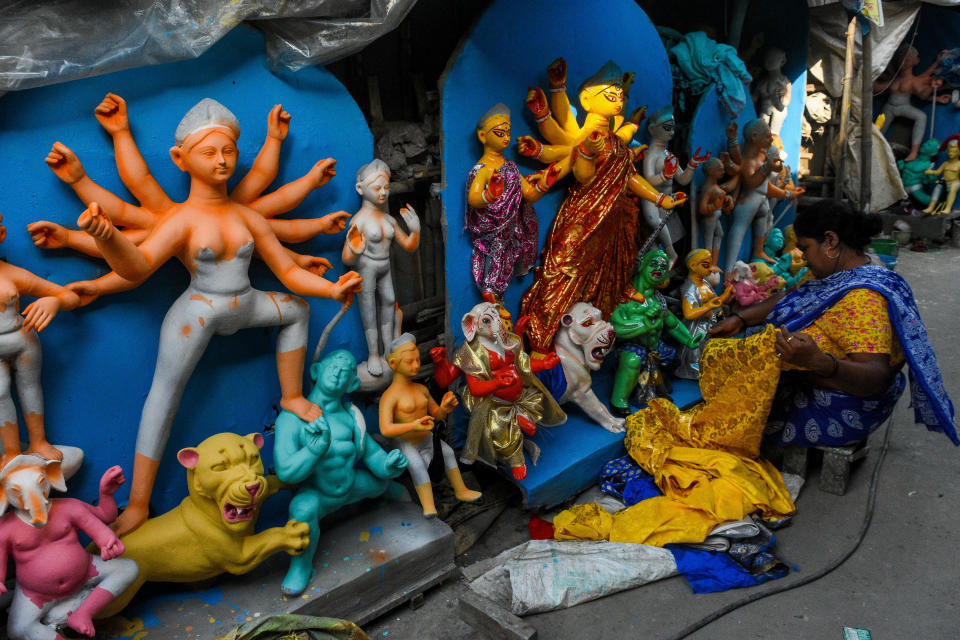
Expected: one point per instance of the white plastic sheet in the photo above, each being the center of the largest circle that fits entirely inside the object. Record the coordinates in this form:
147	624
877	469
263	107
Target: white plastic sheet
543	575
57	40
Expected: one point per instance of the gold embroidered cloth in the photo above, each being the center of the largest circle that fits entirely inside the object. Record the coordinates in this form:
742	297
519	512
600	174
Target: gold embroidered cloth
704	460
590	249
493	433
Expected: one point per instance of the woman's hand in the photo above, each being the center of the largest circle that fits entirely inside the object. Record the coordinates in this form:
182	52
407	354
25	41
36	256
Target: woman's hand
798	349
727	327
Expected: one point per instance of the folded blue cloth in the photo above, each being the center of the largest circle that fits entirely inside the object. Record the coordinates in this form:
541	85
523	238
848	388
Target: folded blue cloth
711	571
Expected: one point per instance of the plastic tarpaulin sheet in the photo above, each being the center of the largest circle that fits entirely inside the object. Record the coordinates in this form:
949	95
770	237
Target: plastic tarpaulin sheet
543	575
58	40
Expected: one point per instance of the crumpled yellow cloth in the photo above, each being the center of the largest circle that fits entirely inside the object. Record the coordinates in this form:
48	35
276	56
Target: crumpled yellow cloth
705	460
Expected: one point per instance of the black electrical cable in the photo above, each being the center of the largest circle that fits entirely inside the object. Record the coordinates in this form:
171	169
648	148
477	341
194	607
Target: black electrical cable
868	516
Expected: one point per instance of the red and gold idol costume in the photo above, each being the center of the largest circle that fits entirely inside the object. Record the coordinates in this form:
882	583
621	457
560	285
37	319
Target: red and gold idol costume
590	250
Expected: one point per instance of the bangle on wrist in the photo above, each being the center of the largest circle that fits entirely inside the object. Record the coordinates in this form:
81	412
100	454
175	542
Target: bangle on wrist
583	154
542	118
733	142
836	366
536	185
660	199
483	196
558	88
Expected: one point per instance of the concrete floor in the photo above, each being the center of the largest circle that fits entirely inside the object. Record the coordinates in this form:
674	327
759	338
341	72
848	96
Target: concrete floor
901	582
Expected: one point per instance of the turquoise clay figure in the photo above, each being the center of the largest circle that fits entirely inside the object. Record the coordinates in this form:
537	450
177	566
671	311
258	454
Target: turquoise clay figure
319	456
773	246
913	174
642	320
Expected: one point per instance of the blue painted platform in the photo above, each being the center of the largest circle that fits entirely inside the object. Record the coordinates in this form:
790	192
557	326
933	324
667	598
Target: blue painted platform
572	454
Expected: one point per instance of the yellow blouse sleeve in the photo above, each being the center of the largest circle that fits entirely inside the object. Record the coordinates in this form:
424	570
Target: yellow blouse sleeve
859	323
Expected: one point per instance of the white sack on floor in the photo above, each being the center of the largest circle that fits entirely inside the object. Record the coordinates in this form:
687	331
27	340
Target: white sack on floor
543	575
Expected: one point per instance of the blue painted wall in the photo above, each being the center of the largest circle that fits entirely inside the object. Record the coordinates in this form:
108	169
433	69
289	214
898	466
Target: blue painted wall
99	360
509	50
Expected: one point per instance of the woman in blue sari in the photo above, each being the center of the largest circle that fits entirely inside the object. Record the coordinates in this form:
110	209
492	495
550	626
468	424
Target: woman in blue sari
844	338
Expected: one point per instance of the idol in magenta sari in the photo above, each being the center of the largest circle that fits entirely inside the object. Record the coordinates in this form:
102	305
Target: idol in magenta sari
504	233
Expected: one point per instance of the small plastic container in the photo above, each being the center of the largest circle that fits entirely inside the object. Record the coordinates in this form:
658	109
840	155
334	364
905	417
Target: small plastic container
889	261
885	246
902	237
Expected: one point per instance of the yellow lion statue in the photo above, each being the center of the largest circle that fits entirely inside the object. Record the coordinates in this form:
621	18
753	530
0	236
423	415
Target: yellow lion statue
212	531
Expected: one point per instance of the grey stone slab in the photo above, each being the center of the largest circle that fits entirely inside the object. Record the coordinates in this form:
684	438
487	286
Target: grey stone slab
366	564
492	619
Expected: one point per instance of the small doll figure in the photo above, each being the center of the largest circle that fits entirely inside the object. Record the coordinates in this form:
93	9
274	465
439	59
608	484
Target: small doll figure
57	580
790	246
914	173
906	85
764	275
714	199
784	260
701	308
949	172
746	291
772	90
661	169
592	246
408	414
331	459
499	213
20	354
369	238
640	323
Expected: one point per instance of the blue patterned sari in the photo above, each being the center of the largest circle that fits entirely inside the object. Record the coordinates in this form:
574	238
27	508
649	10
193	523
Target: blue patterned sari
808	415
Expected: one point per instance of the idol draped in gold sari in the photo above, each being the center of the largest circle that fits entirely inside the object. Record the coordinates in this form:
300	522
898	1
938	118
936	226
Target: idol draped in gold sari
704	460
493	432
590	250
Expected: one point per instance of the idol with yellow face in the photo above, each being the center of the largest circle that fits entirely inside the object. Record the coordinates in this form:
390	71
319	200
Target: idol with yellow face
701	308
499	213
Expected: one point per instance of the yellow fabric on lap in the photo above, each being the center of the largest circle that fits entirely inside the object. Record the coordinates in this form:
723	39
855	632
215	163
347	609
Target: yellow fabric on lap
703	459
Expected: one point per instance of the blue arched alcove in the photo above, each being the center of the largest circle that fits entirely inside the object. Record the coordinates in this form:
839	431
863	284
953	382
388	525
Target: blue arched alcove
508	50
99	360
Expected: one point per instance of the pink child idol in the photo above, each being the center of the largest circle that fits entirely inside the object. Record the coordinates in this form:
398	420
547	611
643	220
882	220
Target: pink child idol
57	580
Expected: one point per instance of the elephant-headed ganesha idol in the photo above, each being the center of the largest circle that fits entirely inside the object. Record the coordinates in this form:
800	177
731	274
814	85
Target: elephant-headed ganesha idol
504	398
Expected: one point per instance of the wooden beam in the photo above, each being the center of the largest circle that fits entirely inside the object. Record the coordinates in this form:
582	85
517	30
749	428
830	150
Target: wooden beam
845	106
866	121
